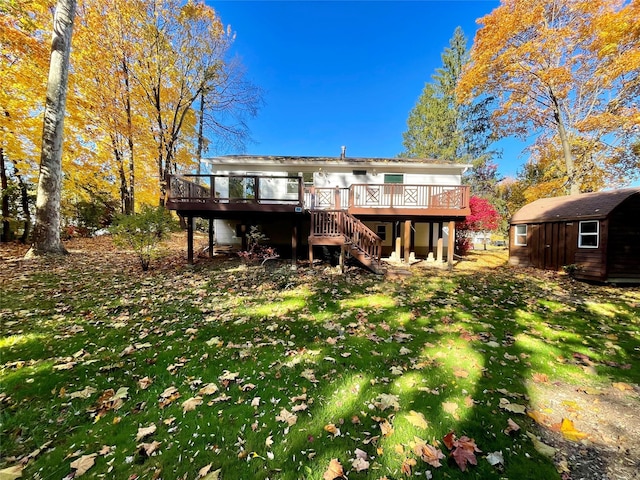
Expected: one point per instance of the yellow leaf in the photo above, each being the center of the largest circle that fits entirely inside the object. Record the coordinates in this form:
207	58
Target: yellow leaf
569	431
416	419
622	386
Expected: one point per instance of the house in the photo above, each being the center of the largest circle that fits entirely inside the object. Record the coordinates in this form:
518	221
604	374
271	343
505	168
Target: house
597	235
366	207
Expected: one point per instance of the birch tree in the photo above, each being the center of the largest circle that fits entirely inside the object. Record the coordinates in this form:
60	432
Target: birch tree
47	228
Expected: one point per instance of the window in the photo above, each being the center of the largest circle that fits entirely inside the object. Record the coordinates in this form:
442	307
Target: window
521	235
359	172
381	230
292	186
588	234
393	178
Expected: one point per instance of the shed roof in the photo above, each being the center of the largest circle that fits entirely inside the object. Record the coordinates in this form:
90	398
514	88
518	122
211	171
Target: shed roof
584	206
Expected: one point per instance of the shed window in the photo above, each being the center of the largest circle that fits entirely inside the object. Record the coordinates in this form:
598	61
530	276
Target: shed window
588	234
521	235
381	230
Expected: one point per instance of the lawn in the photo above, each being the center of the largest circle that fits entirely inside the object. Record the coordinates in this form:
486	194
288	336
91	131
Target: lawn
224	370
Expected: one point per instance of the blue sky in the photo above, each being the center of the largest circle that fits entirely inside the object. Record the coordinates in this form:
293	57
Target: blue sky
345	73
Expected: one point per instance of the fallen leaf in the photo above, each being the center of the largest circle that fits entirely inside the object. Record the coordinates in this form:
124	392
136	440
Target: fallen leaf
84	393
310	375
511	427
512	407
569	431
215	475
83	464
148	448
386	400
451	408
464	452
416	419
287	417
540	377
428	453
191	404
406	466
11	473
622	386
542	448
334	470
386	428
332	429
204	470
145	432
539	417
360	464
144	383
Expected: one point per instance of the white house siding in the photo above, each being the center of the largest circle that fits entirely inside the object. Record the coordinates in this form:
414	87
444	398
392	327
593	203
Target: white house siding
345	180
225	232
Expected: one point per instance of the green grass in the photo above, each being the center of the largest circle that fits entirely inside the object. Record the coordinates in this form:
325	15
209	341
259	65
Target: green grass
448	345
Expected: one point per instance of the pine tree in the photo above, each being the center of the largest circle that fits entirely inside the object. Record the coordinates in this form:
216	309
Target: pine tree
441	128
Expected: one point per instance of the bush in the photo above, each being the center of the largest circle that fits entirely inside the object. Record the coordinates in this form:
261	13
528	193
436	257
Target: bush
143	232
255	250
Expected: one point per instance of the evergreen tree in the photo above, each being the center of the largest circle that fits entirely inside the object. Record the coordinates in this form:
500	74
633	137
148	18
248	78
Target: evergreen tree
440	127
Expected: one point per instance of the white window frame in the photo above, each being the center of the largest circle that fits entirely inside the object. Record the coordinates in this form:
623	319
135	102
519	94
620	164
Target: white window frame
582	234
517	235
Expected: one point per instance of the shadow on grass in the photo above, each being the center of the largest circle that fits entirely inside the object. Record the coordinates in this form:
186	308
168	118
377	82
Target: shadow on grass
447	345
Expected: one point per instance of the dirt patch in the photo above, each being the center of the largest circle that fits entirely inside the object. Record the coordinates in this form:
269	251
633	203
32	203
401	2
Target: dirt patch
609	419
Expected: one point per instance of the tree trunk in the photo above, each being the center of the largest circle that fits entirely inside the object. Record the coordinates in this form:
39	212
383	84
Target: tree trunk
573	179
131	191
6	224
200	135
24	197
47	229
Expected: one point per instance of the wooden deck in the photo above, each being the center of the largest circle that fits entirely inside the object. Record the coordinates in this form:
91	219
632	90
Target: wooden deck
226	194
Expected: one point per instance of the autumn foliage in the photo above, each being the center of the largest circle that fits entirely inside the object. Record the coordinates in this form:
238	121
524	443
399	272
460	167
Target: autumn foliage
483	218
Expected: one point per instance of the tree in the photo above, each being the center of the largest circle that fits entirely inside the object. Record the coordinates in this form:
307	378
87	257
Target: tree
439	126
483	218
47	227
567	70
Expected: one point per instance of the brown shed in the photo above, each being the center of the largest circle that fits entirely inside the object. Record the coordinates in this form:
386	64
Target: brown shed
598	234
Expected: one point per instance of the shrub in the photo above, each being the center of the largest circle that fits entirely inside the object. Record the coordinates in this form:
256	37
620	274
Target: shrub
255	250
143	232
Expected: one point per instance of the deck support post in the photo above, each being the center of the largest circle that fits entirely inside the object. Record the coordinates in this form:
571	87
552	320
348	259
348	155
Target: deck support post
439	249
342	251
451	243
407	240
211	238
294	242
190	240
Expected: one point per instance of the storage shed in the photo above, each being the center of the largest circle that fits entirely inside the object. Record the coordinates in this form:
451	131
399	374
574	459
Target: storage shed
596	234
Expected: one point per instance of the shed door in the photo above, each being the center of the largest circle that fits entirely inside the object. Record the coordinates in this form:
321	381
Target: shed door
549	246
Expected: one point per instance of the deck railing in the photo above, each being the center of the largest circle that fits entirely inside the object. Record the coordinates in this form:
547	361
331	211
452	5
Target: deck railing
282	189
388	195
339	223
216	188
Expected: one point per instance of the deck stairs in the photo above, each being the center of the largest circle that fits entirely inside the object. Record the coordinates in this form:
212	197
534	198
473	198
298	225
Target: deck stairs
338	227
